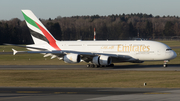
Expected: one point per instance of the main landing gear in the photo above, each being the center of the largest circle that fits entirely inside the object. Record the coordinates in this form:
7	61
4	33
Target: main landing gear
92	66
165	63
97	66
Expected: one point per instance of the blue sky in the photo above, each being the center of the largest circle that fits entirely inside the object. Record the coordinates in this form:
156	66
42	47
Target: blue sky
52	8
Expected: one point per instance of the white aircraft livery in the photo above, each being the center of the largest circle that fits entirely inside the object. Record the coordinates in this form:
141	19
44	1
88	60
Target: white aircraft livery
95	53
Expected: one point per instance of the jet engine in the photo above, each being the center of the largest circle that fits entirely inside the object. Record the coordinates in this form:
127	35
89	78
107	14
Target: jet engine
102	60
72	58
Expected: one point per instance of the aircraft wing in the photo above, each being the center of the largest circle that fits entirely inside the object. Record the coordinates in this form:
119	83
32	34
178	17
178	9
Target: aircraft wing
86	56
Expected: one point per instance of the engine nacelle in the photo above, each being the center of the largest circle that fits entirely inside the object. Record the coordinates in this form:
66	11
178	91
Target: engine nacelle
102	60
72	58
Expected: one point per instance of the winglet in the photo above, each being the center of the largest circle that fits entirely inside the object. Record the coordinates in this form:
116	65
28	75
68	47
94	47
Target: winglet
14	51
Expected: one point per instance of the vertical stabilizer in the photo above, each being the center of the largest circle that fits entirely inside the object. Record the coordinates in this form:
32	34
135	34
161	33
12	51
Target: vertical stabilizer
38	31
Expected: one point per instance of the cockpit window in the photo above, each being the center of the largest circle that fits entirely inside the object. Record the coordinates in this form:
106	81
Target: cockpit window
168	49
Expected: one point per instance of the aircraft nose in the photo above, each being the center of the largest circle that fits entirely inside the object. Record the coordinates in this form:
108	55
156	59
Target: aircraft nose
174	54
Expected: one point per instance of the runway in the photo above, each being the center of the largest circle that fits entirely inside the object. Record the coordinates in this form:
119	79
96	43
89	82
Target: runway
89	94
171	67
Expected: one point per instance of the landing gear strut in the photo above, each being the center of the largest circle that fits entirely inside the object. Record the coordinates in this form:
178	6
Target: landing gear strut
165	63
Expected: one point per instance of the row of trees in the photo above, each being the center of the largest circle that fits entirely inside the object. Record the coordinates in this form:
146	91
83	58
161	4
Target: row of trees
112	27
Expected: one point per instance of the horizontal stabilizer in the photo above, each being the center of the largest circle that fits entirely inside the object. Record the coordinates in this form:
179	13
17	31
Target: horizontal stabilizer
26	46
14	51
47	52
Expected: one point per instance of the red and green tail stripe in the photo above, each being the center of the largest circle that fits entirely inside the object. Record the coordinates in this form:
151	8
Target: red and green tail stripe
49	37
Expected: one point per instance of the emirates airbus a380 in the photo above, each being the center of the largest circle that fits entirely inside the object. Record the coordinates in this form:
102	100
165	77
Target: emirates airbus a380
95	53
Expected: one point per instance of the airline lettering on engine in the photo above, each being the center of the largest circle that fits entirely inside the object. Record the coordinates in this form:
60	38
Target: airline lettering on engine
131	48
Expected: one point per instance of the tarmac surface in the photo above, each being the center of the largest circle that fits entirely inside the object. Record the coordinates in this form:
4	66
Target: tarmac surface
89	94
171	67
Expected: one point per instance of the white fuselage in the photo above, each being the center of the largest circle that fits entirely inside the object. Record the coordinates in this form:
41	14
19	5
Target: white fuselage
142	50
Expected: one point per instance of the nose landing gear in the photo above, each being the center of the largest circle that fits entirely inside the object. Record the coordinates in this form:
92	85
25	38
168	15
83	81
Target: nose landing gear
165	63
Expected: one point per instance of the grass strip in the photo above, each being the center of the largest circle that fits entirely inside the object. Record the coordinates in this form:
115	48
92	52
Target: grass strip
89	78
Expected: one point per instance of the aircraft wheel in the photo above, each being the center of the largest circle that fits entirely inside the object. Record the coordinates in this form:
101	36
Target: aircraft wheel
96	66
92	65
88	65
111	65
165	65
